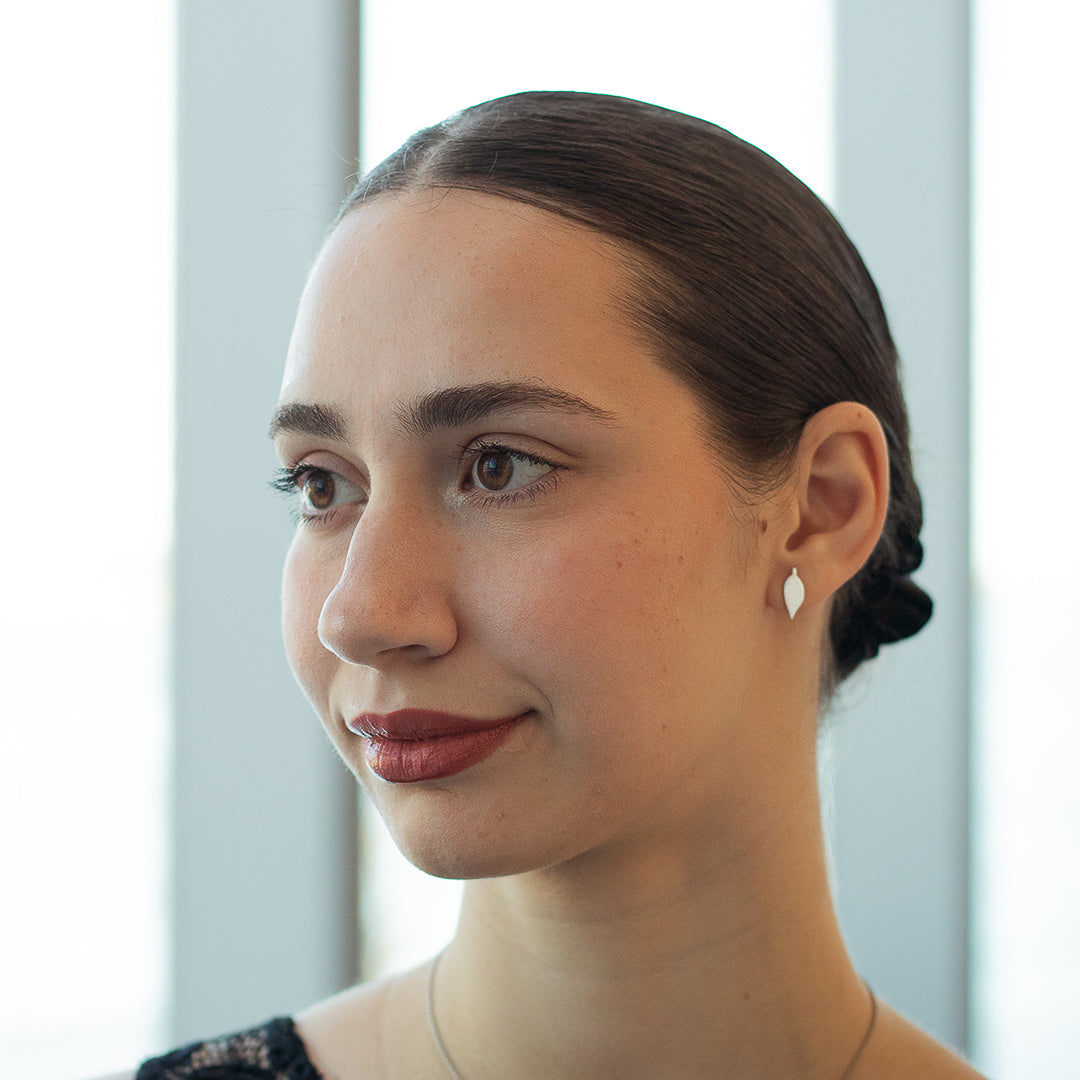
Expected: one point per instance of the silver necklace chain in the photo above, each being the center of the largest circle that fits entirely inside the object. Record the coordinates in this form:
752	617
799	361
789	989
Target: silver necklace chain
433	1027
861	1047
437	1039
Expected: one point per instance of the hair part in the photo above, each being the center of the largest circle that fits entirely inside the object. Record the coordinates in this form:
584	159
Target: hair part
742	284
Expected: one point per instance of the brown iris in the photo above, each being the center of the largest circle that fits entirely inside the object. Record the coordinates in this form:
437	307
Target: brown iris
319	490
494	470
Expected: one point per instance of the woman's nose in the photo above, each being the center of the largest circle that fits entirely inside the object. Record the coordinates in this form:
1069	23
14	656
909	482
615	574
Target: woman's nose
392	599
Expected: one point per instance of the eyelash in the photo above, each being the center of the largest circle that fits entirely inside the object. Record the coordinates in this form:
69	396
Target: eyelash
474	451
289	482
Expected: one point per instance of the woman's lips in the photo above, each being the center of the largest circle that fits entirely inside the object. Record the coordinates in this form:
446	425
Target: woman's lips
411	745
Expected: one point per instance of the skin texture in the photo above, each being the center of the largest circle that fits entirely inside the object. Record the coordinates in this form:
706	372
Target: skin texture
648	893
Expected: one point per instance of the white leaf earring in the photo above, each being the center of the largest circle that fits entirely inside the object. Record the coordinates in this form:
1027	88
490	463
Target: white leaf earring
794	593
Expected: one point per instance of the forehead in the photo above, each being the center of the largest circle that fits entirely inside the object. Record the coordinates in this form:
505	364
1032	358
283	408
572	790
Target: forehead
444	288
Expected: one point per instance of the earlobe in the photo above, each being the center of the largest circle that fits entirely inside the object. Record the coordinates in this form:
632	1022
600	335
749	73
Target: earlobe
840	499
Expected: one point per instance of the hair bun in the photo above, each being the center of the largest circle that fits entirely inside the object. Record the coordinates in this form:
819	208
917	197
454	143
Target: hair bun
885	609
904	610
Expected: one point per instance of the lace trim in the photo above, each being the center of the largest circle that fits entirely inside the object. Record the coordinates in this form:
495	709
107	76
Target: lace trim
273	1051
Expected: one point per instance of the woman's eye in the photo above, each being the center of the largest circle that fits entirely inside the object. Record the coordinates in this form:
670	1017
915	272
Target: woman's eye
319	493
497	469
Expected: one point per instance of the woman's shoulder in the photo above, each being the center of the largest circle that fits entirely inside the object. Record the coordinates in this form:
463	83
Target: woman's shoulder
902	1049
348	1035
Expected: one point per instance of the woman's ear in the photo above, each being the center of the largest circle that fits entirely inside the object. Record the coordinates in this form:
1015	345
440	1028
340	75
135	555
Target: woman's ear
837	509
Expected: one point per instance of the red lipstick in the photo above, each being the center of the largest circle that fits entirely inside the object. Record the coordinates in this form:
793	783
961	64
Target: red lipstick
411	745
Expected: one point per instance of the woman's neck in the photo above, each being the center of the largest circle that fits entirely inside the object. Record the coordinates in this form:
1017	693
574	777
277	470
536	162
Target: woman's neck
674	962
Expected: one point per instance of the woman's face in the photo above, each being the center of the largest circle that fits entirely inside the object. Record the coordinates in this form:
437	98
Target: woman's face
521	597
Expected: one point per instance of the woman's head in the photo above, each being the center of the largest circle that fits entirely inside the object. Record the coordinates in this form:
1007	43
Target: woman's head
739	279
559	420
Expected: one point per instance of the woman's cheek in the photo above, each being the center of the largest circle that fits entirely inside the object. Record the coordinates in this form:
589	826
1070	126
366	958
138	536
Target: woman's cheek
559	589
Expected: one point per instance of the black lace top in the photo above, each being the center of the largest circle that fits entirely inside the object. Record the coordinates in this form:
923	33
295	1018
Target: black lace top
273	1051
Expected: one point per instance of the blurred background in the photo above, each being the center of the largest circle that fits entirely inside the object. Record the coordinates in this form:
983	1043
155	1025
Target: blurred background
182	852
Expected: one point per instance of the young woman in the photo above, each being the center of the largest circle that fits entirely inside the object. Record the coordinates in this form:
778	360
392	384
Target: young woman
592	423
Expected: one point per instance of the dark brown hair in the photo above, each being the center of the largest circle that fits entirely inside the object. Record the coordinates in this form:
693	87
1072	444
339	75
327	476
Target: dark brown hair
743	284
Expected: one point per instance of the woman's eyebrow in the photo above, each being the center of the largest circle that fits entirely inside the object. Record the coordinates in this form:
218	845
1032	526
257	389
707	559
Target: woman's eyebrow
303	419
452	407
457	406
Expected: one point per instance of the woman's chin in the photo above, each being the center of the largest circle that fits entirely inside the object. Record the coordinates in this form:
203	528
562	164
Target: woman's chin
444	854
463	848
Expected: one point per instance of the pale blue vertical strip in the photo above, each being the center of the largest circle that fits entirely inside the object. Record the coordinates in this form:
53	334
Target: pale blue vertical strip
264	867
902	806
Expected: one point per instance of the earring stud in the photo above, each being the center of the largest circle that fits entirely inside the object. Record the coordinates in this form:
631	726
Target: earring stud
794	593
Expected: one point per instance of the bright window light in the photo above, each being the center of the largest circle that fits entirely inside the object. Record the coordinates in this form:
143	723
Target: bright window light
1027	383
86	267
